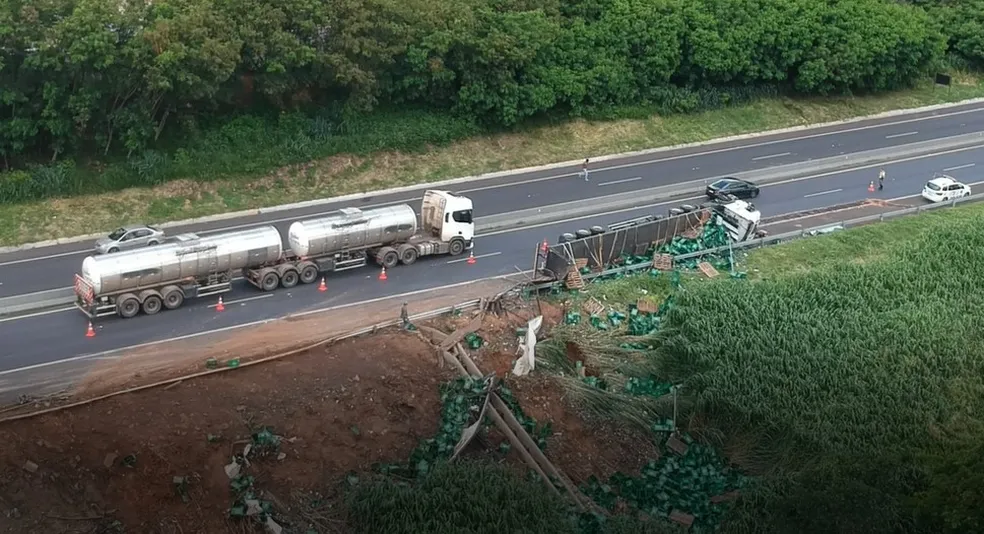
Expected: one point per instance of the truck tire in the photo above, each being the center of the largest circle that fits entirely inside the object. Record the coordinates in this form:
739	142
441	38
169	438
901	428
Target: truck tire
288	278
387	257
309	273
173	297
152	304
456	247
127	306
269	280
408	254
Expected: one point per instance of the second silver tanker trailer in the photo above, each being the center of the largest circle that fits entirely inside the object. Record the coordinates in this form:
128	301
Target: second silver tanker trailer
164	276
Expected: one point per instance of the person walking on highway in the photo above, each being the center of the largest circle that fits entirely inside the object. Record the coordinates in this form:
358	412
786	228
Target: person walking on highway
584	169
881	179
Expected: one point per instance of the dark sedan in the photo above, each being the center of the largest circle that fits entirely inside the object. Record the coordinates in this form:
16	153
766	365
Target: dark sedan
732	187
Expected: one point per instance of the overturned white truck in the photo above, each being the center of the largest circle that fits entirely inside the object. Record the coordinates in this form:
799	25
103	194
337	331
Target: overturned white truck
598	247
163	276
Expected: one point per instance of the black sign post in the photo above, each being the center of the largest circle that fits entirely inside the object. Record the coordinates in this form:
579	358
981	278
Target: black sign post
943	79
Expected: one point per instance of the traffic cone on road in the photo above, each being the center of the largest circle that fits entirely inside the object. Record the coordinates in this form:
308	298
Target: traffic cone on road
90	332
871	186
382	274
220	306
471	258
322	287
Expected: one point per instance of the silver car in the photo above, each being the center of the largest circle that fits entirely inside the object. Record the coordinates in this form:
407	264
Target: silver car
129	237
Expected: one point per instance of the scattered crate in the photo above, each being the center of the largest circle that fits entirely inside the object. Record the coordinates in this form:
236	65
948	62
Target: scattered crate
663	262
647	305
677	446
708	269
573	280
730	496
594	306
682	518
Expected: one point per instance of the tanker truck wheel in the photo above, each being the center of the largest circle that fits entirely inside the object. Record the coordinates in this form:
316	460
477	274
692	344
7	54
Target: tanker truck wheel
173	297
309	273
387	257
288	278
152	305
456	247
127	306
269	281
408	254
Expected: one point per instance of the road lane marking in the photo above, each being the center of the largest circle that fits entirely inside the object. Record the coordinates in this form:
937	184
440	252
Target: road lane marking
480	256
959	167
625	181
247	299
770	156
575	173
698	197
36	314
105	354
772	184
906	134
823	193
49	257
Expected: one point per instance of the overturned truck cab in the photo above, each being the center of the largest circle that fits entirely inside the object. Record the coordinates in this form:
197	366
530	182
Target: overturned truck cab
599	247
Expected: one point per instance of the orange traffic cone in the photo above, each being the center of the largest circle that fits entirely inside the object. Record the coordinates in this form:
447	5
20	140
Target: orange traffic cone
220	306
90	332
471	258
382	274
322	287
871	186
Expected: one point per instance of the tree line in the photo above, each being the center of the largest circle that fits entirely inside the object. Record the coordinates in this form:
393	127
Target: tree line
105	78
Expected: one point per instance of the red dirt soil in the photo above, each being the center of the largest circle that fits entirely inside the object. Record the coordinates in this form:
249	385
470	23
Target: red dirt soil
339	409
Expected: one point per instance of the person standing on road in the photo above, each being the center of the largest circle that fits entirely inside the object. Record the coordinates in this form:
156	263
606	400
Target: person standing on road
881	179
404	316
584	169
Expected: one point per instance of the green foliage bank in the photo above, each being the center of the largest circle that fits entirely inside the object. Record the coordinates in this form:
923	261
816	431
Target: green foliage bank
82	80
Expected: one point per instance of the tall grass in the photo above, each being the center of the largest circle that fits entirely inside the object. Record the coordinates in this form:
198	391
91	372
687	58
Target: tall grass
846	380
244	145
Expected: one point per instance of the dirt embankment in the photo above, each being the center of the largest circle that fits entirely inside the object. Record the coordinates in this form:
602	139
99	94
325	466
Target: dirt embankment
110	466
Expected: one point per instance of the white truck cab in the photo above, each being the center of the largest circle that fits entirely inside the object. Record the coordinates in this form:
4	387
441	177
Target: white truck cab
445	215
740	218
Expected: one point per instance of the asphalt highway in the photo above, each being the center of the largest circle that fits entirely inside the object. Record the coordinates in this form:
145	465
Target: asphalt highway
59	334
53	267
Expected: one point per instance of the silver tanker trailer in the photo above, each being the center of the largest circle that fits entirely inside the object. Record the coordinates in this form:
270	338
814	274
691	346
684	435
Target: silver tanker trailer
389	235
191	266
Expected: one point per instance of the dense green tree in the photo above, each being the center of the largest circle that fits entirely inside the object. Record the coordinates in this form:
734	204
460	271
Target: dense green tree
91	77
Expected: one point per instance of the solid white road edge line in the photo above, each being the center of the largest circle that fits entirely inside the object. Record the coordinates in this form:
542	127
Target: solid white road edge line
106	354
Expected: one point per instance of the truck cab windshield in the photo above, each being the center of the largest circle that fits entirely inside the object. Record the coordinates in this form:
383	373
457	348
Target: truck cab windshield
462	216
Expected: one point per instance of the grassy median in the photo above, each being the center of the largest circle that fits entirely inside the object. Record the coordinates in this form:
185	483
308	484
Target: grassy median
181	199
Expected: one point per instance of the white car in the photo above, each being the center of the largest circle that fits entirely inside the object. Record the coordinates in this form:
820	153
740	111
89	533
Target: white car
944	188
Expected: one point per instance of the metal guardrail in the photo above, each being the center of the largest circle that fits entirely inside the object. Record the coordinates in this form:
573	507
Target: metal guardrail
779	238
